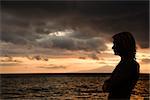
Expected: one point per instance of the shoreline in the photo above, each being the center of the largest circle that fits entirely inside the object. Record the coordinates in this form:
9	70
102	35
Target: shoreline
142	75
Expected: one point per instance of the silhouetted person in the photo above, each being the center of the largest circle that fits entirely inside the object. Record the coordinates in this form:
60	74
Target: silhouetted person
126	73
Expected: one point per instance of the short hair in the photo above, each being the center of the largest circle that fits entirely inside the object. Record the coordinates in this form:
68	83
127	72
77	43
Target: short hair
126	43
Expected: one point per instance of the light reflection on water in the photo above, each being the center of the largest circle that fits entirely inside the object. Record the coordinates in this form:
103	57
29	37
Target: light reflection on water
62	87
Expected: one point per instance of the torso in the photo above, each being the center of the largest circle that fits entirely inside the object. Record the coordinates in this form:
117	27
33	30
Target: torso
124	77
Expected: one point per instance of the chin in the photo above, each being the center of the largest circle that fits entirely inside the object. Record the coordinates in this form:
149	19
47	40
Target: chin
115	53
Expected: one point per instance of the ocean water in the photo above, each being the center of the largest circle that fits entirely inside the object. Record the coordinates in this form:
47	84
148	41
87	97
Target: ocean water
63	87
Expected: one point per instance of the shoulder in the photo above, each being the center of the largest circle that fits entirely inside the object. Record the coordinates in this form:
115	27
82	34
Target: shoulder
135	66
133	63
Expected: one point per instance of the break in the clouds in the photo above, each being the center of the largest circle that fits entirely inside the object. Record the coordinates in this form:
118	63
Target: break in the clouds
73	25
71	43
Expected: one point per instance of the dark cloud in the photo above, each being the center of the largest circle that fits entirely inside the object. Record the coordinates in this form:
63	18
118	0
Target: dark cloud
37	57
8	48
146	61
91	22
19	38
71	43
9	59
9	64
94	56
82	57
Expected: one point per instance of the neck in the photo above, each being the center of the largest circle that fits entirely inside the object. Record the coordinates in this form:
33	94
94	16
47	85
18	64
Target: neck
126	57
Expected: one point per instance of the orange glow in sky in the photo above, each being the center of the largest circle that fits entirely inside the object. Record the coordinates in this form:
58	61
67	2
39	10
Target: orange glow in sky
106	63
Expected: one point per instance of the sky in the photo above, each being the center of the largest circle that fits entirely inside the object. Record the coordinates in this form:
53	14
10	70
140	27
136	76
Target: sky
70	36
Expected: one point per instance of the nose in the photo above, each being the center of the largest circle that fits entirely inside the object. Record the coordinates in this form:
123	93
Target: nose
113	47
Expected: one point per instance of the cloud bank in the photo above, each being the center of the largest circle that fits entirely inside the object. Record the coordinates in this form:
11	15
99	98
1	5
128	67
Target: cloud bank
72	25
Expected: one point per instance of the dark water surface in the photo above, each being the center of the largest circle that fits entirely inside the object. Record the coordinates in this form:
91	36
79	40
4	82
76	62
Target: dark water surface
63	86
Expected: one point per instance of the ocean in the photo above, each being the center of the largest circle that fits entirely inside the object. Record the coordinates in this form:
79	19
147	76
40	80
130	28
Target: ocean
63	86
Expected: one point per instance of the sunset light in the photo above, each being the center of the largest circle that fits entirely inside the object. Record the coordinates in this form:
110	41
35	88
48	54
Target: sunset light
75	40
74	50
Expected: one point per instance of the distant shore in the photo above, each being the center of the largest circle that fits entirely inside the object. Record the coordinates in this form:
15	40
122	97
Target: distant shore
143	75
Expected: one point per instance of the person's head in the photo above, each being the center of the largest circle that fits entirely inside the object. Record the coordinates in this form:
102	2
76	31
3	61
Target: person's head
124	44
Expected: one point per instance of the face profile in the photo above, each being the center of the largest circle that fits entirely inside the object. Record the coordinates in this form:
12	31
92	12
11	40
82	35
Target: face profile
124	44
115	48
